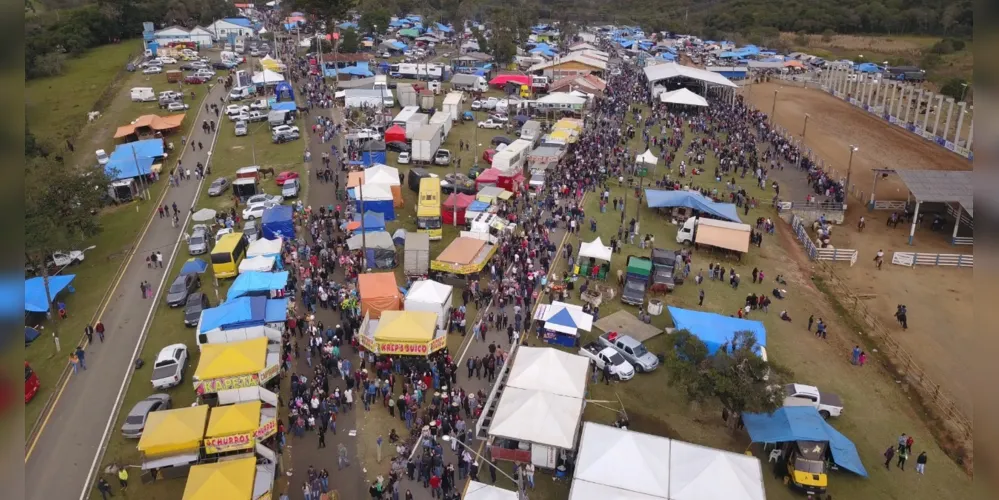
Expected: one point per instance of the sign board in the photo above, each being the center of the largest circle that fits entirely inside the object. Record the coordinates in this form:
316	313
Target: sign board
903	259
267	430
215	385
232	442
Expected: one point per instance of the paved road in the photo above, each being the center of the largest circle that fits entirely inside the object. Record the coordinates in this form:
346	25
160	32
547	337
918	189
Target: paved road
72	437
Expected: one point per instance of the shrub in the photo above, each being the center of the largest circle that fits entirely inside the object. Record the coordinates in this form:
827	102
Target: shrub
827	35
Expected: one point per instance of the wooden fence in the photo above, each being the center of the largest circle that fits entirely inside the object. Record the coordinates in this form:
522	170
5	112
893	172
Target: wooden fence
912	259
837	254
893	205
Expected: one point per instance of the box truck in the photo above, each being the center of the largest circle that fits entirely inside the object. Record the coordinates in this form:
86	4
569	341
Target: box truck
722	234
426	142
452	105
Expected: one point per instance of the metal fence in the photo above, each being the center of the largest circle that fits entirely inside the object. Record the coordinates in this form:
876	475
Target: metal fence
892	205
912	259
837	254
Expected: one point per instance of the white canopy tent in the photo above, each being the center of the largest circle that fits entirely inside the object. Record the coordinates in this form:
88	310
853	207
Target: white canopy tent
622	464
431	296
262	246
267	77
482	491
666	71
537	417
562	98
596	249
549	370
647	157
258	263
554	317
684	97
381	174
374	192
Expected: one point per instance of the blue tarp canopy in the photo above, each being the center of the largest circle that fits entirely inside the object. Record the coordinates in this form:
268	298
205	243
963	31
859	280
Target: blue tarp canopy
373	157
284	106
239	21
30	334
443	29
194	265
277	222
547	52
715	329
803	423
666	56
478	206
257	283
373	221
347	25
657	198
34	291
244	312
398	24
134	159
867	68
396	44
290	26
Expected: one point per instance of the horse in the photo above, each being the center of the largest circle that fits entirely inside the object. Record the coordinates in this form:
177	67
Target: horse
265	171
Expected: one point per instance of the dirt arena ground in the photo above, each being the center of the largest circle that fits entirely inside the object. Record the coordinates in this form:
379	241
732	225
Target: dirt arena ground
939	300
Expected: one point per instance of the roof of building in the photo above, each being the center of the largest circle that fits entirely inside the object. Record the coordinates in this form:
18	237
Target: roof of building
669	70
154	122
591	82
573	57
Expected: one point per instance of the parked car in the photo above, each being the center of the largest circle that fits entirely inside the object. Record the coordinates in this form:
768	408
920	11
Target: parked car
205	73
190	66
198	243
827	404
499	118
632	350
284	133
177	106
152	70
135	422
490	103
240	129
442	157
168	370
218	186
257	116
259	104
222	232
285	176
397	146
63	259
150	62
251	230
263	198
196	302
607	356
235	109
184	285
490	124
404	158
476	105
256	211
194	80
167	60
290	188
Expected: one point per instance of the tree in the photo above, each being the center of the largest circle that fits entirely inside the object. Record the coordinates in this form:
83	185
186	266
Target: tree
801	39
956	88
61	204
687	367
372	18
504	48
828	35
325	10
349	41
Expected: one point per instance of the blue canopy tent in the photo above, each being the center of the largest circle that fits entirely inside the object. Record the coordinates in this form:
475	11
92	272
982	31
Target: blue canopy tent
562	323
803	423
867	68
257	283
347	26
547	52
285	88
34	291
30	335
375	201
194	265
399	237
278	222
657	198
244	312
134	159
284	106
373	221
478	206
443	29
715	329
239	21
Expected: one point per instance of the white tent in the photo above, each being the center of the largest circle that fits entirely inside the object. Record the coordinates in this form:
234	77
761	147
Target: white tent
258	263
482	491
647	157
267	77
596	249
564	318
263	246
373	239
537	417
431	296
562	98
549	370
381	174
622	464
666	71
374	192
683	96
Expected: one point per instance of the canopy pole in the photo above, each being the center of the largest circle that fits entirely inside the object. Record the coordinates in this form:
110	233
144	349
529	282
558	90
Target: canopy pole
915	219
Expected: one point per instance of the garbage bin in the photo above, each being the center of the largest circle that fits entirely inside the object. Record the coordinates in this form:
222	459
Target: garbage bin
655	307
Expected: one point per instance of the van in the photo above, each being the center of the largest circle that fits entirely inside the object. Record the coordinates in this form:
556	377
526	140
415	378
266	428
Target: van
239	93
143	94
279	117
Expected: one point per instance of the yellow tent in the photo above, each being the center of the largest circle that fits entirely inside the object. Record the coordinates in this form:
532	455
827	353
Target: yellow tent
232	359
172	432
229	479
234	419
406	326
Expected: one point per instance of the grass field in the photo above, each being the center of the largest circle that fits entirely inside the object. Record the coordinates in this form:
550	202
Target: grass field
230	153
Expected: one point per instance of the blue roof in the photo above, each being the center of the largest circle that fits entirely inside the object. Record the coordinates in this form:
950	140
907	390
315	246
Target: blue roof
443	29
256	282
373	221
543	50
867	68
34	291
657	198
242	21
277	222
715	329
478	206
666	56
194	265
803	423
244	312
284	106
397	44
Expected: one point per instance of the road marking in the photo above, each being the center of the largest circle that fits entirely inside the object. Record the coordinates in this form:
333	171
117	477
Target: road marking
51	409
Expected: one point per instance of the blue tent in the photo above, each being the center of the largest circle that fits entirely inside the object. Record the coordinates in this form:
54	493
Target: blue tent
257	283
657	198
34	291
478	206
867	68
244	312
373	157
284	106
30	335
277	222
194	265
396	44
803	423
547	52
385	208
239	21
285	88
373	221
347	26
715	329
134	159
443	29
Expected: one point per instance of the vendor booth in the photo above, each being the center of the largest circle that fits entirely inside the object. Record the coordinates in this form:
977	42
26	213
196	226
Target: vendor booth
456	204
35	299
278	222
386	176
242	313
373	222
374	198
239	427
379	249
395	133
464	256
562	322
488	178
266	248
236	365
259	264
492	194
409	333
171	440
589	254
431	296
258	284
379	293
242	478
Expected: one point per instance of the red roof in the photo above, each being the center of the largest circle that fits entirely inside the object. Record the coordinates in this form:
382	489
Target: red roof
463	200
395	133
505	79
488	175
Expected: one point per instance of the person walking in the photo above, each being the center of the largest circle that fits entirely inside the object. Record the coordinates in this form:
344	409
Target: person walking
903	455
322	437
89	332
342	460
123	478
889	454
811	320
142	288
921	463
700	297
80	354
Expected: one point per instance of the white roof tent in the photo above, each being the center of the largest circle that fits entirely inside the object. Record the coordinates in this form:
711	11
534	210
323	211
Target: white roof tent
549	370
596	249
618	463
684	97
670	70
537	417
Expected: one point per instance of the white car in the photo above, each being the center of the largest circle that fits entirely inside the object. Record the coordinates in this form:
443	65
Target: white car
168	60
386	55
286	131
241	129
177	106
404	158
235	109
222	232
63	259
171	94
152	70
499	118
240	117
207	74
476	105
490	123
169	367
256	211
259	105
490	103
263	198
367	133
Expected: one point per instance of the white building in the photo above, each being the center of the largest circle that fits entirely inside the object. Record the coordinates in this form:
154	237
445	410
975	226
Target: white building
221	29
172	34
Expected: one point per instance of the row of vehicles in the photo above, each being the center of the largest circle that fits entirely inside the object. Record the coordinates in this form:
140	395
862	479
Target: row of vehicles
623	355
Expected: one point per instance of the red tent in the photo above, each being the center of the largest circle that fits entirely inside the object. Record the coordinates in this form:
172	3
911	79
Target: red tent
488	177
448	208
395	133
502	80
511	183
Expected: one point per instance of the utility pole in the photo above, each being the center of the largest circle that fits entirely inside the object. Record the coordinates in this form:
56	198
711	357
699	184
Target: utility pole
805	126
849	170
773	110
142	177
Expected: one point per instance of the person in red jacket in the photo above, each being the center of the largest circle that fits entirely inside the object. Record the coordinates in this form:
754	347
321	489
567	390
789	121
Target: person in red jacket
435	486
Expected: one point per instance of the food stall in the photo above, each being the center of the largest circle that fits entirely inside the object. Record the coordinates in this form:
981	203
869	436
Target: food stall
171	441
562	322
464	256
242	478
408	333
379	293
431	296
239	427
236	365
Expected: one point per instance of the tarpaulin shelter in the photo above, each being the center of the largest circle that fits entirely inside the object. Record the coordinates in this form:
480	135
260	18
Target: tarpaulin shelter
502	80
375	198
257	283
867	68
379	292
34	291
372	222
656	198
244	312
385	175
30	335
431	296
803	423
239	426
596	249
194	265
373	153
409	32
395	133
683	97
278	222
224	479
173	432
148	124
134	159
235	365
267	77
537	417
264	247
488	178
716	329
379	249
459	202
355	179
259	264
562	322
463	256
274	65
549	370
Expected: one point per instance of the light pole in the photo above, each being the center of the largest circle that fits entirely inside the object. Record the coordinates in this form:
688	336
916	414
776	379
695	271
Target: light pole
805	126
521	494
964	91
773	110
849	170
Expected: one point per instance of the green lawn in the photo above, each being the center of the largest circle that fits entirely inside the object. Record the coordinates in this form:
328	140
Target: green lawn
229	154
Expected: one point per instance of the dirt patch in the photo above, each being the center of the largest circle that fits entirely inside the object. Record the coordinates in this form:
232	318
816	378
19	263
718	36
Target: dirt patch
880	44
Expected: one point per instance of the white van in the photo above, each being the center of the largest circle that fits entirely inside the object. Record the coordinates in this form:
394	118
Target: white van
143	94
239	93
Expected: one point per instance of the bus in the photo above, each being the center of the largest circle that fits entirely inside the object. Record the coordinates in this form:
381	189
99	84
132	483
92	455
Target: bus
428	211
228	253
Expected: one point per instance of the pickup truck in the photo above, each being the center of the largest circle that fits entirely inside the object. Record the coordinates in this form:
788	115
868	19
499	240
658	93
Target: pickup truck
663	265
602	356
632	350
828	405
636	280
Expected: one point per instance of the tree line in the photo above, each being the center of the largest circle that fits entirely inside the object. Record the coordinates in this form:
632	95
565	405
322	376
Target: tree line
52	36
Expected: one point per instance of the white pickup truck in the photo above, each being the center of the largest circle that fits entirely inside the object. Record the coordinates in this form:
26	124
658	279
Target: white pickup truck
828	405
602	356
